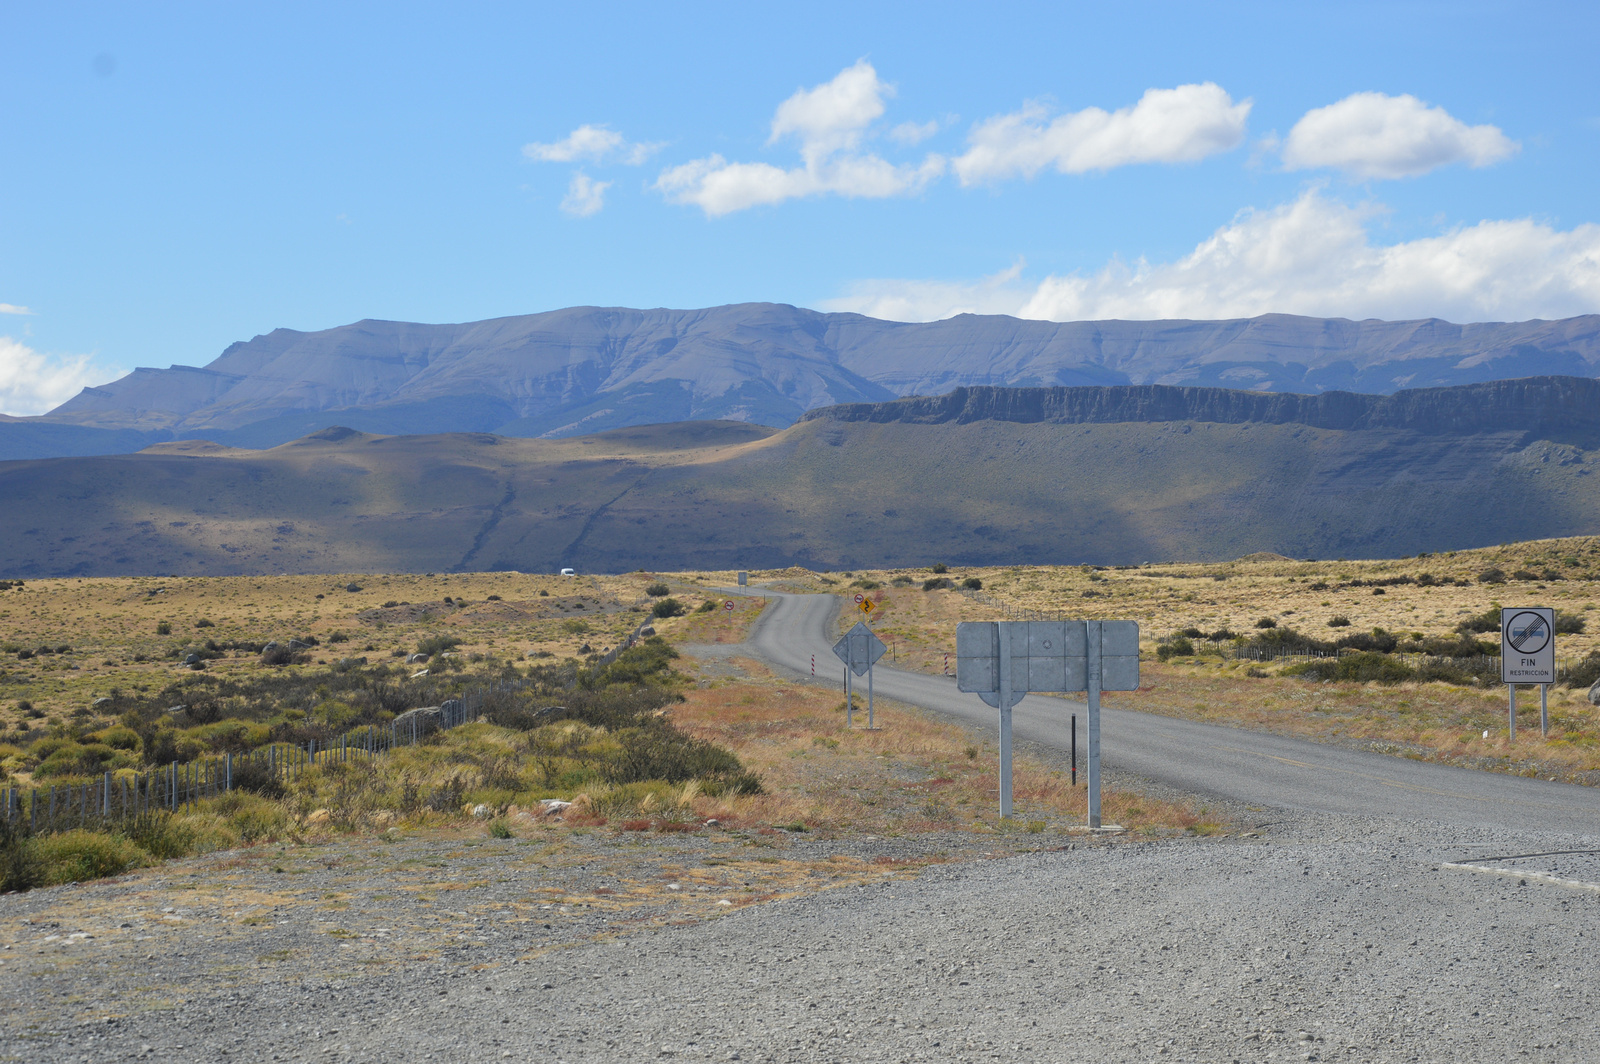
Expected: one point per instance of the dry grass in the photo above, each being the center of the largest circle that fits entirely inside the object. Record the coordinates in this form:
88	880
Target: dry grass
911	774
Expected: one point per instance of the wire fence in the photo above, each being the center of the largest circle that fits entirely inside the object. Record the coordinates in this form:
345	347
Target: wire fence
117	797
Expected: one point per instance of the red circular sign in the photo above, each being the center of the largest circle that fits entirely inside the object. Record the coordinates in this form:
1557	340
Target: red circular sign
728	605
860	599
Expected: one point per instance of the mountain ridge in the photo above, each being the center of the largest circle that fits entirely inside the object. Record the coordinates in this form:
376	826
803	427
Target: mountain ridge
586	369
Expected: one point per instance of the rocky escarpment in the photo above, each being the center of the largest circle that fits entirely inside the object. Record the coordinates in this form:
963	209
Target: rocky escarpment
1560	409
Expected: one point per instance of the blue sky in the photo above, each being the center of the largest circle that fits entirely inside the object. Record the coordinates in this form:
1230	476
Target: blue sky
178	177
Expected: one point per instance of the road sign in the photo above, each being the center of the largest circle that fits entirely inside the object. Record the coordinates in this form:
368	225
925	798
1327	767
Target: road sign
867	606
860	599
728	605
1001	661
859	649
1527	645
744	578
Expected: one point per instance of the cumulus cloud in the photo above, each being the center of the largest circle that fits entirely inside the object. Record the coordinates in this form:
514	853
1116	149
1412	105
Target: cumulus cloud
585	196
33	383
595	144
829	122
1313	256
1180	125
1371	135
12	308
909	133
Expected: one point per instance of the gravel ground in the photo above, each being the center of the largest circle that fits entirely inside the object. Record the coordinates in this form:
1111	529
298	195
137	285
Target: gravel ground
1321	939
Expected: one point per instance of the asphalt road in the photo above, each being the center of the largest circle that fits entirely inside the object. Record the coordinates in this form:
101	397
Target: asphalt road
1250	767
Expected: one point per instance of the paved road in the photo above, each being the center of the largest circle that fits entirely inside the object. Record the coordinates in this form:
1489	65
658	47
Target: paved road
1244	766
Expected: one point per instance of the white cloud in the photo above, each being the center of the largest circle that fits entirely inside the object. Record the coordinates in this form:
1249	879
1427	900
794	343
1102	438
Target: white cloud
585	196
830	122
910	133
12	308
33	383
1179	125
592	144
1313	256
1369	134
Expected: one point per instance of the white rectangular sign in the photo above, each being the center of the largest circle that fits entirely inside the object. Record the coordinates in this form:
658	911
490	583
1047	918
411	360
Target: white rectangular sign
1527	645
1046	655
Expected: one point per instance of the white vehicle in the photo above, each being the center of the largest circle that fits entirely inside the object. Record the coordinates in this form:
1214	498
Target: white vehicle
569	572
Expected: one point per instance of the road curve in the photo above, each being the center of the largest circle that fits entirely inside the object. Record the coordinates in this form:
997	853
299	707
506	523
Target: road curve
1251	767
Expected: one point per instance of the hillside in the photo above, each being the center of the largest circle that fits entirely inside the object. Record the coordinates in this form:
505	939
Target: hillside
849	487
587	369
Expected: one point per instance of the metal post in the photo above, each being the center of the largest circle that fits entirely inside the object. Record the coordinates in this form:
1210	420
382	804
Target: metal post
1544	710
870	725
1005	719
1512	713
1074	749
849	700
1094	722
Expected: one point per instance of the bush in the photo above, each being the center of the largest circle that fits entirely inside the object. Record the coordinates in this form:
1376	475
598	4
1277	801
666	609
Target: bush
972	582
707	606
657	590
79	856
574	626
437	644
1586	672
940	567
205	623
1339	621
257	777
1569	624
164	628
1491	576
1356	667
1192	633
936	583
158	833
1266	622
668	607
1177	647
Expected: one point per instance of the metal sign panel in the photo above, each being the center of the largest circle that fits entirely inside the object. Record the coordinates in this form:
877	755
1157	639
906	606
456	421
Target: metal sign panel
1527	645
744	579
1045	656
859	648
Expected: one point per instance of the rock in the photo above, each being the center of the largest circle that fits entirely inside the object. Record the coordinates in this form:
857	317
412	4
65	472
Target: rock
295	644
352	586
646	631
191	658
482	812
350	663
416	659
426	719
1594	694
551	806
270	646
101	701
713	823
419	674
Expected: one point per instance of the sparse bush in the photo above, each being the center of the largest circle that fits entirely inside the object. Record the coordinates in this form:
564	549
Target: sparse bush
1266	622
499	829
1586	672
668	607
205	622
901	581
574	626
657	590
937	583
1491	576
707	606
437	644
973	583
1360	668
1192	633
1338	620
163	628
940	567
1176	647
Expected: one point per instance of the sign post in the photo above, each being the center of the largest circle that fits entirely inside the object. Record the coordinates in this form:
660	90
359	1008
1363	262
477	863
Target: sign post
1527	655
859	649
1001	661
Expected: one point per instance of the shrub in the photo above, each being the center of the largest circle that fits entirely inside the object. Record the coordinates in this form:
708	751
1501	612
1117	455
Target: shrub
500	829
1487	621
865	584
164	628
160	834
20	867
1586	672
901	581
1357	667
1192	633
205	623
707	606
657	590
1338	621
1266	622
940	567
1491	576
1177	647
936	583
78	856
574	626
1569	624
668	607
437	644
972	582
257	777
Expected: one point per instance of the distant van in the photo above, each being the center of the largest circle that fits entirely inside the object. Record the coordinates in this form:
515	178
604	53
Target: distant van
569	572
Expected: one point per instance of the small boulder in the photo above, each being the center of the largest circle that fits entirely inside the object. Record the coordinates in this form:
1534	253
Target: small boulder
425	719
482	812
352	586
101	701
1594	694
552	806
416	659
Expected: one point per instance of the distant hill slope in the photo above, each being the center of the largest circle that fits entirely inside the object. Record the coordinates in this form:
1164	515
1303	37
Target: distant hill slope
999	476
586	369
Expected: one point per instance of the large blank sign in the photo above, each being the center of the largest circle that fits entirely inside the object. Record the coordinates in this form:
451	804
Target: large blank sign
1045	656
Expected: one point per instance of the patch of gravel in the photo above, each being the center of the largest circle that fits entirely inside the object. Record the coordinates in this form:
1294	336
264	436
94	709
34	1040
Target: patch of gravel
1326	939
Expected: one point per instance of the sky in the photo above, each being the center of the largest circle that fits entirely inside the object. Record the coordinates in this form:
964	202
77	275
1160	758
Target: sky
175	178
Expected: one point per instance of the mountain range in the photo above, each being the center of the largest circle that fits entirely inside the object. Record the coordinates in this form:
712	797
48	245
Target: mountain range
588	369
984	475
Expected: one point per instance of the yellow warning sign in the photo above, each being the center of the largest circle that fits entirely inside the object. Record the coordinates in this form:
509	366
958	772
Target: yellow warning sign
867	605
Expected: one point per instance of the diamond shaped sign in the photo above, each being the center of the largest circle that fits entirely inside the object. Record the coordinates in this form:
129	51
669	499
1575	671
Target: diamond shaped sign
859	649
